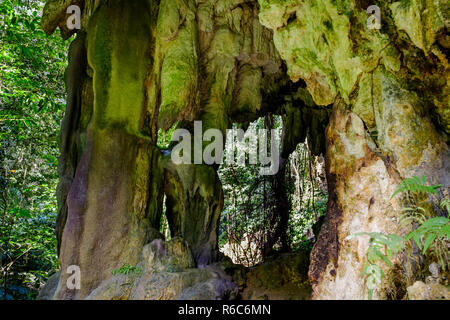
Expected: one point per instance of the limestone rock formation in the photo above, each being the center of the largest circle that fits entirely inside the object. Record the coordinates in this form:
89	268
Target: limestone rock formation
166	271
430	291
280	278
388	121
374	101
435	287
48	291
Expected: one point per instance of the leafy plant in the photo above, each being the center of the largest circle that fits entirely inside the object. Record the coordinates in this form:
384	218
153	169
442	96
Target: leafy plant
416	185
430	234
127	269
410	215
382	247
445	204
433	233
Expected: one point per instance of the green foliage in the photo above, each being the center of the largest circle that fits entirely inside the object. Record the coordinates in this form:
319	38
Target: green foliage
307	201
416	185
382	247
430	235
300	228
410	215
31	108
445	204
127	269
433	233
245	208
164	137
250	216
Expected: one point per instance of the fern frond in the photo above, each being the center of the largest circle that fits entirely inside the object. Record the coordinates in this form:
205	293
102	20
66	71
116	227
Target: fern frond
415	185
435	229
445	204
411	215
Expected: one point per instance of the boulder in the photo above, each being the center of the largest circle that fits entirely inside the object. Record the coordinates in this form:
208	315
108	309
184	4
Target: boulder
166	271
280	278
428	291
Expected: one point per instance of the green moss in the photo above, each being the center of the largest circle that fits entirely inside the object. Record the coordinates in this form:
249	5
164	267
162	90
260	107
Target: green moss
177	41
363	105
316	46
99	56
119	73
421	19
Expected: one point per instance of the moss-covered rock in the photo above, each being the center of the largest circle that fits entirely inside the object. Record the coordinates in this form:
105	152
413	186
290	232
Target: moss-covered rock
421	20
279	278
166	272
397	126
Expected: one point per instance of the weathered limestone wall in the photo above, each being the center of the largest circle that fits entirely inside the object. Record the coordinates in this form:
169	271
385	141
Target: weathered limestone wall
138	67
390	93
194	201
107	219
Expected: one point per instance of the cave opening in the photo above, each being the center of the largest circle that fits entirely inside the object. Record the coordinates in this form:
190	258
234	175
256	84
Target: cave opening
267	215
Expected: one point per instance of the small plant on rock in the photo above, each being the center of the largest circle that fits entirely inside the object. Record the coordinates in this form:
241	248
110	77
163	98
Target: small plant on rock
430	235
127	269
382	247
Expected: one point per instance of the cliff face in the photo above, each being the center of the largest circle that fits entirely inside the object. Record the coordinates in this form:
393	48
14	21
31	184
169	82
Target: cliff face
374	101
390	93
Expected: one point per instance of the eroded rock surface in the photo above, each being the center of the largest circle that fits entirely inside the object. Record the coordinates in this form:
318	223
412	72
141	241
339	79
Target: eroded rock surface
375	102
388	120
284	277
429	291
166	271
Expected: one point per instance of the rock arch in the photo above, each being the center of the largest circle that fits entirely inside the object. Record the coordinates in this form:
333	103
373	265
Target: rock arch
375	102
